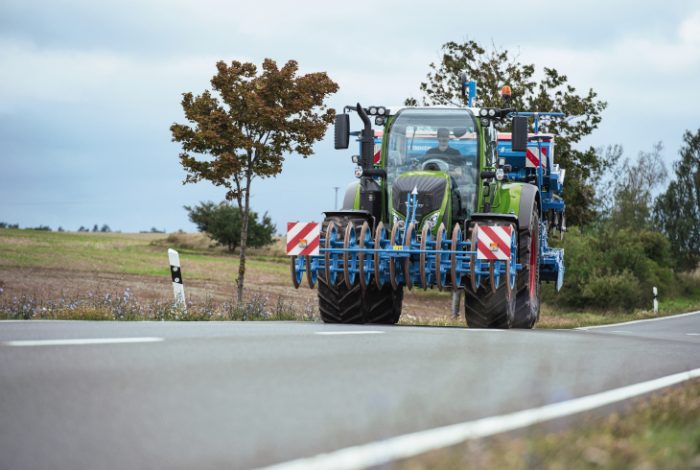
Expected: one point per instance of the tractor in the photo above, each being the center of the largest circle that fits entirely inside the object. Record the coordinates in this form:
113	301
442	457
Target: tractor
442	200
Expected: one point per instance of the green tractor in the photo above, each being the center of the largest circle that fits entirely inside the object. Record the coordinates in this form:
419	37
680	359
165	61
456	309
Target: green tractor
443	200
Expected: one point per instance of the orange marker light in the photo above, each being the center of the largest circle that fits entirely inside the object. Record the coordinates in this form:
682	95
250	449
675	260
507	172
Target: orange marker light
506	92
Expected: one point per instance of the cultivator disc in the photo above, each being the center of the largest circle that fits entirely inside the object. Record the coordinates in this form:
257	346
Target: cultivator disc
485	255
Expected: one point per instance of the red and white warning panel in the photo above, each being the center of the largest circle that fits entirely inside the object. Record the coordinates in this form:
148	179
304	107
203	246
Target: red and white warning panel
377	153
303	238
534	158
494	242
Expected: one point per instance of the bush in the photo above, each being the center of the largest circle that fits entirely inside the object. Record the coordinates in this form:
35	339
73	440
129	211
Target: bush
610	268
223	223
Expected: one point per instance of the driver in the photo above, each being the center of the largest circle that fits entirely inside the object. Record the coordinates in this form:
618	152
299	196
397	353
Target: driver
443	148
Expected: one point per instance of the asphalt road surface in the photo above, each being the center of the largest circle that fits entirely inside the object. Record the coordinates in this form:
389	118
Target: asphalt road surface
104	395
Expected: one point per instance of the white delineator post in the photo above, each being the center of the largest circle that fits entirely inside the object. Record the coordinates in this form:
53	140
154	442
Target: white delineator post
656	302
176	273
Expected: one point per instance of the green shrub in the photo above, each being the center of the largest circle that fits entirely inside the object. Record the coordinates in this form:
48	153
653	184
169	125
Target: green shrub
610	268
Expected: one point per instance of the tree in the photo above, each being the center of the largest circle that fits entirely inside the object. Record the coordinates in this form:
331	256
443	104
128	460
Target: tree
495	68
634	188
223	223
677	210
244	128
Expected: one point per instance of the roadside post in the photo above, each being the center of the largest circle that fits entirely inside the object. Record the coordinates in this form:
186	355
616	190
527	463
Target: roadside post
656	302
176	274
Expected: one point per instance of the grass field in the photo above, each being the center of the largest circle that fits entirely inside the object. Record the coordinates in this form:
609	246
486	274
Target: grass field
126	276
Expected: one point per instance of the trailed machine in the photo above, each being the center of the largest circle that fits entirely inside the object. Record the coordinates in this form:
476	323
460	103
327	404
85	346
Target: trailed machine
444	200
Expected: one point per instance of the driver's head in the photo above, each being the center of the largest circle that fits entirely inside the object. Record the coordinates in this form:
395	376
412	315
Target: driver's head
443	136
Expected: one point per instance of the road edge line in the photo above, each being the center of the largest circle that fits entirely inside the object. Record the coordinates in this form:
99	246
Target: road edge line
667	317
409	445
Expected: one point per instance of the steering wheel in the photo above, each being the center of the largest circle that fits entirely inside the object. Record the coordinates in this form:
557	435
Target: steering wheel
442	160
435	164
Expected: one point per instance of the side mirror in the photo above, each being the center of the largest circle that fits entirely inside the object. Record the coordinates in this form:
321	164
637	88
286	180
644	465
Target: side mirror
342	131
519	136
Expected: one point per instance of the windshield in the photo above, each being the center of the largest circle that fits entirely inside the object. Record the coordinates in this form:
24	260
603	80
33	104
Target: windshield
436	140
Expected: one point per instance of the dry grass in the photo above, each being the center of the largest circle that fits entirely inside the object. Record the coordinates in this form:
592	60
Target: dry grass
661	432
45	267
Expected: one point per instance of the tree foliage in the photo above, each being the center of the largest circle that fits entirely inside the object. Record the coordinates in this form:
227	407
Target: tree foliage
677	210
552	92
223	223
245	126
634	188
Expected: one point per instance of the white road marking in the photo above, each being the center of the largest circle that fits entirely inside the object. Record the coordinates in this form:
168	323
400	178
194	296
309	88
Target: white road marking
79	342
483	330
693	334
409	445
670	317
367	332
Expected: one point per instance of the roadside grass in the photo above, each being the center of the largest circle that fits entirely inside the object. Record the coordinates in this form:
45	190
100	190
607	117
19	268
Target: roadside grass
59	265
555	318
657	432
125	306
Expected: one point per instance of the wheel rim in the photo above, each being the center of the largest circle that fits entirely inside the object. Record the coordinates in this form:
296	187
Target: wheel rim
410	235
365	239
438	257
424	239
296	279
379	238
330	234
311	276
456	237
392	260
349	270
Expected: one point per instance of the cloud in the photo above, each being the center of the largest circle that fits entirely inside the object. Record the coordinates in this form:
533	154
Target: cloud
30	73
636	71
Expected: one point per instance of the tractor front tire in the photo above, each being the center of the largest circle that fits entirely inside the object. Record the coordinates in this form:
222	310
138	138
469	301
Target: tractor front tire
340	304
485	308
527	283
383	305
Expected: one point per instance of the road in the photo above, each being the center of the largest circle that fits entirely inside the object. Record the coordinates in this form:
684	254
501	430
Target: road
106	395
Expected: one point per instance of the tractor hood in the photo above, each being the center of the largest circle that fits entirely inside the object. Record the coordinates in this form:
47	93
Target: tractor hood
433	193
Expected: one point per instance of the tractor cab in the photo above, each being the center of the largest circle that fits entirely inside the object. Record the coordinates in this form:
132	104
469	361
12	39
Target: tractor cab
435	151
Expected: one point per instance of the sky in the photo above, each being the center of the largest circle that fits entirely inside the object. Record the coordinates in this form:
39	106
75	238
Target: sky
89	90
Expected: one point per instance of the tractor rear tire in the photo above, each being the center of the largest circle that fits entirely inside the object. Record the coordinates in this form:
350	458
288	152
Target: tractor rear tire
527	283
340	304
485	308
